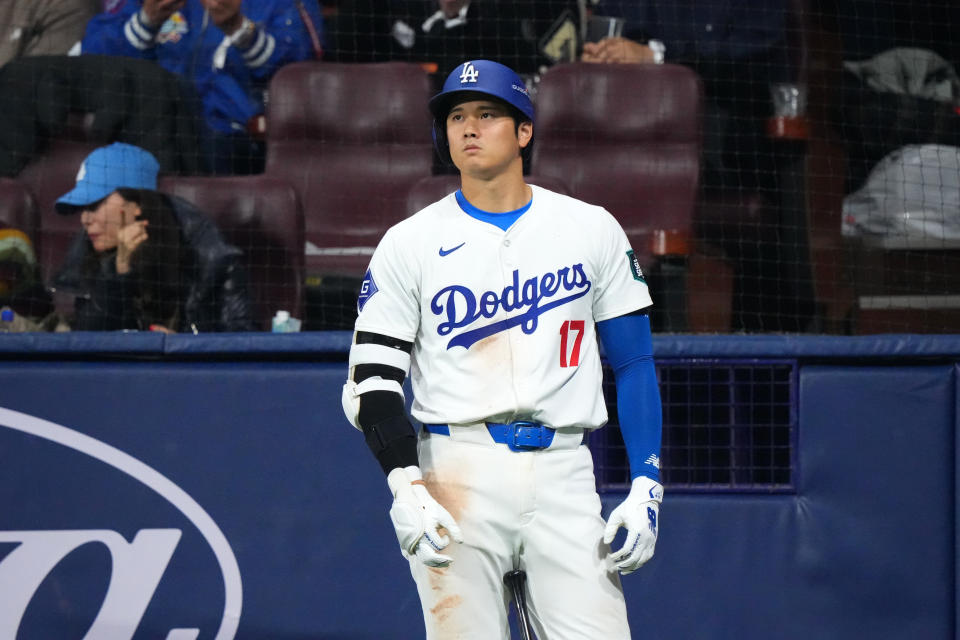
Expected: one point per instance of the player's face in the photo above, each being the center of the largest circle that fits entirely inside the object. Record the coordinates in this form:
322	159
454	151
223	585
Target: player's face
483	138
102	221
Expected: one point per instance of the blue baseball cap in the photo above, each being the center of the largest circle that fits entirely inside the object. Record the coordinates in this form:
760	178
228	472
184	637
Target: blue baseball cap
107	169
486	77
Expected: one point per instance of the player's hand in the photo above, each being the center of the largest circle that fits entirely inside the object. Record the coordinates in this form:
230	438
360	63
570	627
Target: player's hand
619	50
158	11
130	236
419	519
640	515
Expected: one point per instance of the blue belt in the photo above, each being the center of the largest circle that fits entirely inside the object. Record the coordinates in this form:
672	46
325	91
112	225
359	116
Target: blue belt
518	436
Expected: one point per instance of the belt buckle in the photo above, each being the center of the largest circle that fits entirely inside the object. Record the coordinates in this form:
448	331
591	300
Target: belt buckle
527	429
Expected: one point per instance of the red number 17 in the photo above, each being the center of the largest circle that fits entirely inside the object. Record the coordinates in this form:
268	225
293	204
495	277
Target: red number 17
565	329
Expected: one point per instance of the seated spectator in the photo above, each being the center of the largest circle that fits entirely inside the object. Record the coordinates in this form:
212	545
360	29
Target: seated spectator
146	260
738	50
228	53
446	32
42	27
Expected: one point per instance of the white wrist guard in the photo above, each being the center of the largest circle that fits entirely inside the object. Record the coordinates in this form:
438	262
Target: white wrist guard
400	478
644	488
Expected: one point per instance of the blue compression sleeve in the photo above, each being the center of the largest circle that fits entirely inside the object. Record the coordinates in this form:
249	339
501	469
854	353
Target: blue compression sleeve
629	348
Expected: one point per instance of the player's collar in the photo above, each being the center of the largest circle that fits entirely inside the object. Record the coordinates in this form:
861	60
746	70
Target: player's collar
501	220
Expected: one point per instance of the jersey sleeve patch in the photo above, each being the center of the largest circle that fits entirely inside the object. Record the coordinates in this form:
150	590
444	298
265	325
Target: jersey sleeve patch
632	262
367	289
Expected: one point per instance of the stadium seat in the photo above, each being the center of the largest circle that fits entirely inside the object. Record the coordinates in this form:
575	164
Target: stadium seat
262	216
18	210
48	177
904	284
428	190
352	139
628	138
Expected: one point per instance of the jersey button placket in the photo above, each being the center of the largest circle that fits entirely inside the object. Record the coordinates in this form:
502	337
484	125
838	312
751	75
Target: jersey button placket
510	262
507	265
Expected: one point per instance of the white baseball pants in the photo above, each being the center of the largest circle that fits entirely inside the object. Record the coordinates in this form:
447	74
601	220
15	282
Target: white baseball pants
538	511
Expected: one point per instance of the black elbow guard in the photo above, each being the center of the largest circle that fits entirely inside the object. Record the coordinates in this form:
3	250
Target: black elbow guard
393	442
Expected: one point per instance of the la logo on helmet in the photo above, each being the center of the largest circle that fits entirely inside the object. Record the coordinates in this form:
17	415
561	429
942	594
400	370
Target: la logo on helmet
470	74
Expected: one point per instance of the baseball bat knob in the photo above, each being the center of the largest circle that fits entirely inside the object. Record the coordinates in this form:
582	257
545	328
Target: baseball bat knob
513	577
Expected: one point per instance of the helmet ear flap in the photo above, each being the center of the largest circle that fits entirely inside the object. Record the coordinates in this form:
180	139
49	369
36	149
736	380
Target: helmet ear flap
440	142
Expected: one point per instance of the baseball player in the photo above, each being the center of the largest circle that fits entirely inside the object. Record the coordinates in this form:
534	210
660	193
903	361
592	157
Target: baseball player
493	298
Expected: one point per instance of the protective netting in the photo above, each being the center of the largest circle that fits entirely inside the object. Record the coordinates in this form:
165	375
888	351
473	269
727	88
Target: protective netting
728	425
784	165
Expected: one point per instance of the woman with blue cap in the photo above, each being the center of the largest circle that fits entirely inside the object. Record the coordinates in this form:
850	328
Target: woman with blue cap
146	260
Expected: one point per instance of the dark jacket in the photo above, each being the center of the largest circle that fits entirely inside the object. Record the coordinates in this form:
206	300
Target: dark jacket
214	295
511	32
132	101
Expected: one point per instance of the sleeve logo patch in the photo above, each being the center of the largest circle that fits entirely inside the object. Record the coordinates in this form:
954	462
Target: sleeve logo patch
634	265
367	289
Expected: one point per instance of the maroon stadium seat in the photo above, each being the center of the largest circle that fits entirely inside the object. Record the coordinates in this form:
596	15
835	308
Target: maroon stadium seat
428	190
628	138
262	216
48	177
351	138
18	210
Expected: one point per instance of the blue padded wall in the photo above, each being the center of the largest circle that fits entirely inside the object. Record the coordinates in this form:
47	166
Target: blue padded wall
866	548
877	553
263	447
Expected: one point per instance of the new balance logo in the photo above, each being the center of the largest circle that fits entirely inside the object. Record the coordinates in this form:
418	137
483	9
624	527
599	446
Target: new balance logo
469	74
653	460
446	252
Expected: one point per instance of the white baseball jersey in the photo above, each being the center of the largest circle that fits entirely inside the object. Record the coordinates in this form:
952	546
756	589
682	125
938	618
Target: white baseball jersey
503	321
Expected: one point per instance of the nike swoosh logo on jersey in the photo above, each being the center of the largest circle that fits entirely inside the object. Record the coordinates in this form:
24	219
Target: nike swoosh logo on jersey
446	252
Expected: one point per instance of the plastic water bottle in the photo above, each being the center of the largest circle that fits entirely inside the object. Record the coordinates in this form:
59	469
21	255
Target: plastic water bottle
6	320
281	322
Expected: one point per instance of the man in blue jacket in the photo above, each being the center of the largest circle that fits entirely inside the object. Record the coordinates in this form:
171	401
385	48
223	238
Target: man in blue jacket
227	49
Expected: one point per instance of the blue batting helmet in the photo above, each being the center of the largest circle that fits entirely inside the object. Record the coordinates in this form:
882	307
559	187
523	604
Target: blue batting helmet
483	76
478	76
